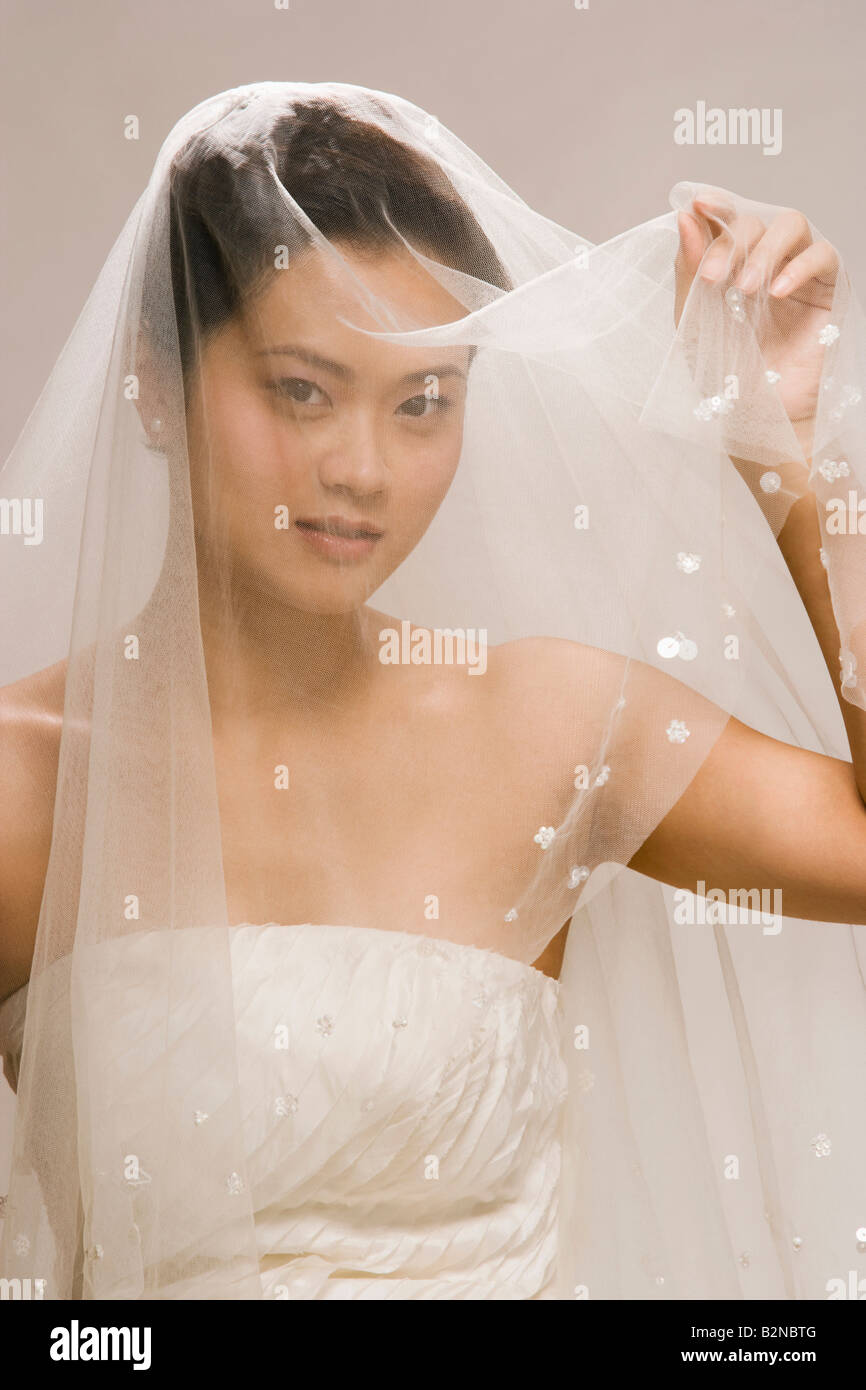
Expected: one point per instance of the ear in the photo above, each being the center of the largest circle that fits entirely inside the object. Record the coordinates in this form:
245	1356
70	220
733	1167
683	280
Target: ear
162	415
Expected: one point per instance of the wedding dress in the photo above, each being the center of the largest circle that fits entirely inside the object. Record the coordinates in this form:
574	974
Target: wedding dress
388	1100
402	1139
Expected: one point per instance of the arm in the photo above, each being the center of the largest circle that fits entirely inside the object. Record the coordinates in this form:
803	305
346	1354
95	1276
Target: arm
799	542
763	814
760	812
31	713
797	277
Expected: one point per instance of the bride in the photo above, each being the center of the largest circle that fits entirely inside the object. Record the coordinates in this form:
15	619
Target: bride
336	374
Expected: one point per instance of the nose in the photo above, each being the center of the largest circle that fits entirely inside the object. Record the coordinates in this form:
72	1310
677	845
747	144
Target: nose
355	457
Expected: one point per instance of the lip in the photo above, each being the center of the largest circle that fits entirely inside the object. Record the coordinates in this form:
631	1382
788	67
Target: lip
339	537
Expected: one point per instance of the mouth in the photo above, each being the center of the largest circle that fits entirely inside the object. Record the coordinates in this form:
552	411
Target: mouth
339	536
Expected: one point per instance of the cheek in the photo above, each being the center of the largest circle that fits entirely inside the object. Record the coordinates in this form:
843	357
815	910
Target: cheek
252	457
428	479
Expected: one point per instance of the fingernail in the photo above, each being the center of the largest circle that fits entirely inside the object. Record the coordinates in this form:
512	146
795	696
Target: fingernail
750	279
711	271
781	285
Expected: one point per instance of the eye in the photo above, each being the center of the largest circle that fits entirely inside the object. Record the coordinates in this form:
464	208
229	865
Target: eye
416	406
298	390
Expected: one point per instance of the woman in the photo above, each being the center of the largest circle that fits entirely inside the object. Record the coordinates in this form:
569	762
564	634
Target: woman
365	370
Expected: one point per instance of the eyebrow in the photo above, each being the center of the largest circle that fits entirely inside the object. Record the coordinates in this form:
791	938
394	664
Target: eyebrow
339	369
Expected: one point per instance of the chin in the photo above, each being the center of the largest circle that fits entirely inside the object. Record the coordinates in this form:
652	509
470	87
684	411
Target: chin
325	596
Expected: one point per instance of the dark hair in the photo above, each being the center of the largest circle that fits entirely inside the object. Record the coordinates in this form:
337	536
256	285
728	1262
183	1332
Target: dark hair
350	177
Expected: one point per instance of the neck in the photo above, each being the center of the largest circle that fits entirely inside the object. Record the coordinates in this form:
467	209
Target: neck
266	659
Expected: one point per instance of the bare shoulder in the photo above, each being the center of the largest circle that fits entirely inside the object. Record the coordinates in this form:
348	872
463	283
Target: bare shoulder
559	680
546	702
31	718
554	698
554	655
580	681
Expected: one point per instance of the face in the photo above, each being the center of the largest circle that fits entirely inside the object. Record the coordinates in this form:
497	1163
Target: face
319	457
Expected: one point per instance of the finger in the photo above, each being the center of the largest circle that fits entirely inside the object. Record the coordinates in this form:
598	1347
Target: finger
692	244
717	203
715	217
731	246
787	234
819	263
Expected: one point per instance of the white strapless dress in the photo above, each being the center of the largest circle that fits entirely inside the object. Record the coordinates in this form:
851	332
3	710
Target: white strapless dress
403	1099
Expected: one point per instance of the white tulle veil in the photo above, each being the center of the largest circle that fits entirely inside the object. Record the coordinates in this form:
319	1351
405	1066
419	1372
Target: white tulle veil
714	1133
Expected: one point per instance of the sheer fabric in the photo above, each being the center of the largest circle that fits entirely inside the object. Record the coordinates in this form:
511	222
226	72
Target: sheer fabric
552	588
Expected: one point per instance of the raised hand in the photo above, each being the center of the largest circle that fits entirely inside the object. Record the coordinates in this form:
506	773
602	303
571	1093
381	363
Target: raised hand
787	274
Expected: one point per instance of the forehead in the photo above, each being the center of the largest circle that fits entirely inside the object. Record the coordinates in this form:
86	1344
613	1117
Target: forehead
306	303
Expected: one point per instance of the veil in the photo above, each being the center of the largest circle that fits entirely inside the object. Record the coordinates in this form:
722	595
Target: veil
559	497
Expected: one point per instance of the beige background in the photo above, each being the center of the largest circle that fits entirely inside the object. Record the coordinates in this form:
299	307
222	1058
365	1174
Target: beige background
573	108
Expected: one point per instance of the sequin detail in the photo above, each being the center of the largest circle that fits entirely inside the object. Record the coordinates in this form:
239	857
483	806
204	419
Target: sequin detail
677	731
688	562
545	836
831	469
849	670
678	645
711	406
829	333
851	395
734	300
